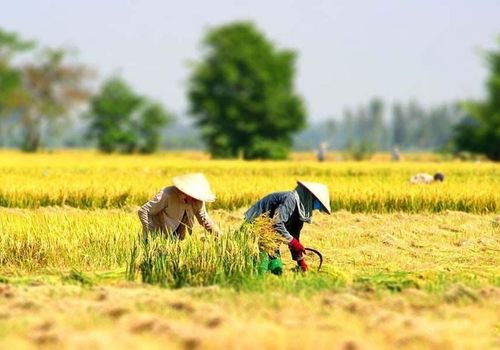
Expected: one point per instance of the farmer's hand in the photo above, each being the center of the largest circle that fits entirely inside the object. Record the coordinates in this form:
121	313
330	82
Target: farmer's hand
216	232
296	246
302	264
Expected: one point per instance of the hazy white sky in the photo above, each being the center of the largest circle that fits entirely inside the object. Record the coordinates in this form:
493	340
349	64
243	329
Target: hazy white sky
349	51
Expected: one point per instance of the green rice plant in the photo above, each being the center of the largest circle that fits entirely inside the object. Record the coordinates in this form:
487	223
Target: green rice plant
203	260
195	261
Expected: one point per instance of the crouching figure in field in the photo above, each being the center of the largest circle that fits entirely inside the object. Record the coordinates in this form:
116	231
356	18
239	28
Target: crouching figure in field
289	210
423	178
173	209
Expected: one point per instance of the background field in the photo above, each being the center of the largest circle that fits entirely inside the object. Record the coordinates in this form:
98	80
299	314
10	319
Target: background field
405	266
88	180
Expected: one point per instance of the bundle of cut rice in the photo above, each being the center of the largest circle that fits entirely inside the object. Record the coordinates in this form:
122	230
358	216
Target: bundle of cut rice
267	237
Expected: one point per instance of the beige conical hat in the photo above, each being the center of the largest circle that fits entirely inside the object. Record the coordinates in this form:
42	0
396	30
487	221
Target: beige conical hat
194	185
320	191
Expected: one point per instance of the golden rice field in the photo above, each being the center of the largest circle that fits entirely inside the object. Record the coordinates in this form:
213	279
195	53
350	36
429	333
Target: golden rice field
88	180
406	267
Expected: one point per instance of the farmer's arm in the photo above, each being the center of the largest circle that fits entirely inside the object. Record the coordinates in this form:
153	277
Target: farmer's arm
283	213
203	218
152	207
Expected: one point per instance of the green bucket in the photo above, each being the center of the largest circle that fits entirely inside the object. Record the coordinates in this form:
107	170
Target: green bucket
263	265
276	266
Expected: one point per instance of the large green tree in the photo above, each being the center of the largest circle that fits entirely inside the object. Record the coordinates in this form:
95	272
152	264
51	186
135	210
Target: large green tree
123	121
242	94
480	131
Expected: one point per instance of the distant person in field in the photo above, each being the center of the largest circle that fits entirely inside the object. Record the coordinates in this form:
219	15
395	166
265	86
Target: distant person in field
323	146
423	178
289	210
395	154
173	209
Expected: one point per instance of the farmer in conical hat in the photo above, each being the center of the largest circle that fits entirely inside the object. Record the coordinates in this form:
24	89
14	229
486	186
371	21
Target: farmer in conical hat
289	211
173	209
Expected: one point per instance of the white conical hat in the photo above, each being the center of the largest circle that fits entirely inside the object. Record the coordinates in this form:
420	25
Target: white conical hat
194	185
320	191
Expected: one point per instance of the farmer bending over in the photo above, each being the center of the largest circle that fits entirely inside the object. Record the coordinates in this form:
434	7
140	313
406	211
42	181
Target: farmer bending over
423	178
289	211
173	209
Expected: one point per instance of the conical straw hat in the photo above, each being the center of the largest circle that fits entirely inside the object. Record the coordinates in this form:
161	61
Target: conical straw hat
194	185
320	191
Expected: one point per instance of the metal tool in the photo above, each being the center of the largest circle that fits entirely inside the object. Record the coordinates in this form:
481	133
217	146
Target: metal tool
318	253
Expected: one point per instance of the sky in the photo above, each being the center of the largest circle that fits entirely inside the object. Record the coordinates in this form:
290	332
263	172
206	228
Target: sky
348	51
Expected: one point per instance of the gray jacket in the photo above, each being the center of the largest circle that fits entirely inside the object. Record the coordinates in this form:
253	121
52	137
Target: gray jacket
285	209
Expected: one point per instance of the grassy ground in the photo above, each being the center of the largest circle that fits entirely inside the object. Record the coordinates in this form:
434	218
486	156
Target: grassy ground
390	280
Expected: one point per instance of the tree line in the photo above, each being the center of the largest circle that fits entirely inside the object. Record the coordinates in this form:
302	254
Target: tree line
40	87
242	99
377	126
